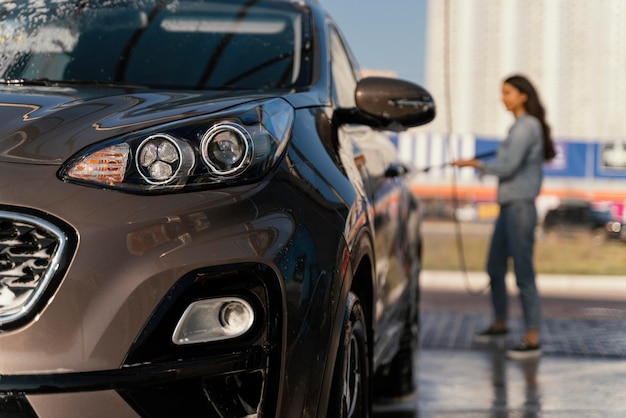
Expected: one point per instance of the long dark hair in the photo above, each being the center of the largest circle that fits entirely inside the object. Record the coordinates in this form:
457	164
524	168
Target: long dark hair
535	108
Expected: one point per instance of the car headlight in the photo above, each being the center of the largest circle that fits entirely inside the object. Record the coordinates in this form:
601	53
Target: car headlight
226	148
233	147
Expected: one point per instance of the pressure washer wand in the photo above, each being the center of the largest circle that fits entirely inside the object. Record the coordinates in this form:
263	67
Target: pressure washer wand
477	157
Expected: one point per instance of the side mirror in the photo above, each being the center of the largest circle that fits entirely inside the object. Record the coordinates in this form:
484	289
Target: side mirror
391	104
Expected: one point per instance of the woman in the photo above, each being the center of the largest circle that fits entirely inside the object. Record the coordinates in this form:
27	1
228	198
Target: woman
518	167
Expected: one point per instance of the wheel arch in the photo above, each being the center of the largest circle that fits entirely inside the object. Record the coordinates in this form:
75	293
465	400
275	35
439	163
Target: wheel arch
362	286
362	283
357	278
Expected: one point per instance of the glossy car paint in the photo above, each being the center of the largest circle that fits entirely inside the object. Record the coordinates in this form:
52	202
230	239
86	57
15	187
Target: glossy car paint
296	242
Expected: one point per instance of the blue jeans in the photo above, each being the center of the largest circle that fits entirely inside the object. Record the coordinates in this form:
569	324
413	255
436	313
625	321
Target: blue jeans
514	237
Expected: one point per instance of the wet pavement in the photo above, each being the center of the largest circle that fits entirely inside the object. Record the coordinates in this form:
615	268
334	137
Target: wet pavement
582	372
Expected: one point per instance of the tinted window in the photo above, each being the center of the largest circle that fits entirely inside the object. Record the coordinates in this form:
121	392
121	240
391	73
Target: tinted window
344	80
186	44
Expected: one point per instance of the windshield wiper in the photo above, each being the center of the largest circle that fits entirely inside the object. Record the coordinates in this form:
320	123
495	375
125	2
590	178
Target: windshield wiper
55	83
27	82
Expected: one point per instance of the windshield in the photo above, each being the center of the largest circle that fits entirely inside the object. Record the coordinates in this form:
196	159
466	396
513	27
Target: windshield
233	44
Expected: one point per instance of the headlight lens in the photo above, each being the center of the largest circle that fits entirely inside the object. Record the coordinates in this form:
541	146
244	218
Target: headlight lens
160	158
226	148
229	148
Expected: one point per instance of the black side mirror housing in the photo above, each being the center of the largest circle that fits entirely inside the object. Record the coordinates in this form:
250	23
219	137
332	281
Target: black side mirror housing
390	104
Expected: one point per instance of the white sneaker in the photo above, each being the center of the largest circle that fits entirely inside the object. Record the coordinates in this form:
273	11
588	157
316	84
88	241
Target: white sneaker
524	350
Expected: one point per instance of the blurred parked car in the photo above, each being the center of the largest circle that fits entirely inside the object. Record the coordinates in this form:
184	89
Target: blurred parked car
200	213
575	215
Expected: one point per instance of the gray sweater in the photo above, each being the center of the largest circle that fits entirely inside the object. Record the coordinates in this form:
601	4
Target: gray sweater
519	161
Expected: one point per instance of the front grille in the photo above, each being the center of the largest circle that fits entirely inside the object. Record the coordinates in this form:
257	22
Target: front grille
31	251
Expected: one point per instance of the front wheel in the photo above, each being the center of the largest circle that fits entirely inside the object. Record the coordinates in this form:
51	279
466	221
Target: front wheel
350	393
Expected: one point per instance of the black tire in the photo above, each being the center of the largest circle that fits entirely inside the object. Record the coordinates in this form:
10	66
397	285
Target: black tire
351	389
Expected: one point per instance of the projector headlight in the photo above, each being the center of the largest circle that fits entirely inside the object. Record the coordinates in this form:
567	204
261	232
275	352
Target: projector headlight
234	147
226	149
161	157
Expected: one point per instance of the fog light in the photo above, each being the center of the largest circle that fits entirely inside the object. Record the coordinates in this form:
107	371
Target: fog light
214	320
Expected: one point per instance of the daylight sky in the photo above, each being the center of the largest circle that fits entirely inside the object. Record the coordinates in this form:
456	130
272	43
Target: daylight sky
384	35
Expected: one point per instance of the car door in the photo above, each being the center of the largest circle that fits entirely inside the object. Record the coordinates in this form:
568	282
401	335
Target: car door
375	154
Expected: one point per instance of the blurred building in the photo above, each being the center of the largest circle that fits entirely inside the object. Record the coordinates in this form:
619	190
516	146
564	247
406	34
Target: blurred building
366	72
574	51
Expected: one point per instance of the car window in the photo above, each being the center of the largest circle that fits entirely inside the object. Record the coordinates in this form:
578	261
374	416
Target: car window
183	44
344	80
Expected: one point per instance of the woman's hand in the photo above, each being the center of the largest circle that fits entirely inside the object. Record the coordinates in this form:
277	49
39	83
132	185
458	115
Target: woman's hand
468	163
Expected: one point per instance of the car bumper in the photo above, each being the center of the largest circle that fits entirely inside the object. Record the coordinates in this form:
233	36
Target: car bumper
105	332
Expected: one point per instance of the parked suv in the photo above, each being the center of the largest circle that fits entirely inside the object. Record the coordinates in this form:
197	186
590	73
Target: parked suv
201	213
574	215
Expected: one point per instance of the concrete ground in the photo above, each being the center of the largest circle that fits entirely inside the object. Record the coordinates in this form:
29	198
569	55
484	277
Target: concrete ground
582	372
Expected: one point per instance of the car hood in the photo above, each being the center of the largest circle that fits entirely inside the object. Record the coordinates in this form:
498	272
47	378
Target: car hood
44	125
